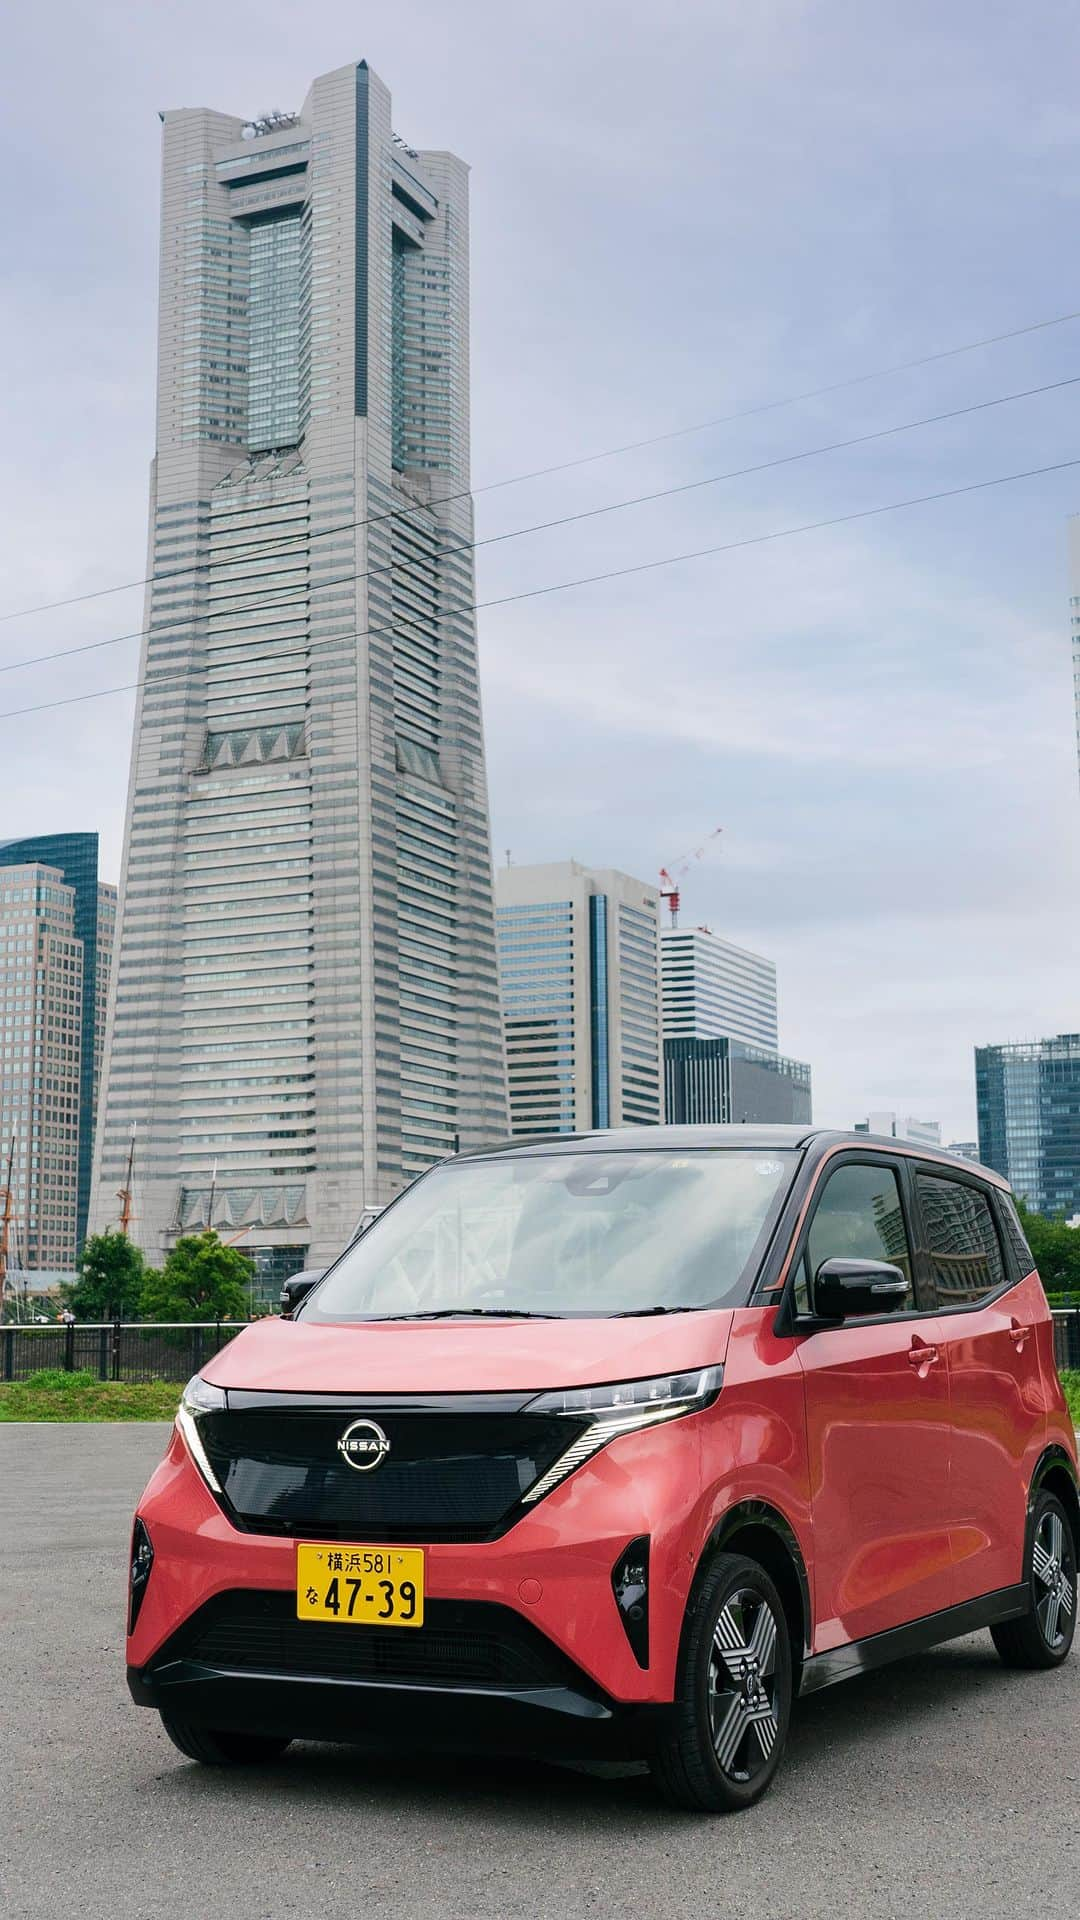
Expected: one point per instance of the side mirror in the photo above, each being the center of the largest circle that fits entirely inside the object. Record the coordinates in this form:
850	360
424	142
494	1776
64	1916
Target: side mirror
296	1289
844	1288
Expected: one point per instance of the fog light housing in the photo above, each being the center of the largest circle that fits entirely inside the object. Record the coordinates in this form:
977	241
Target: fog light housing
142	1559
630	1585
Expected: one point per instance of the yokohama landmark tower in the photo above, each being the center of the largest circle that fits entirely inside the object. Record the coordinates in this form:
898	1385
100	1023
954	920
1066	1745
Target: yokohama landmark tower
305	1004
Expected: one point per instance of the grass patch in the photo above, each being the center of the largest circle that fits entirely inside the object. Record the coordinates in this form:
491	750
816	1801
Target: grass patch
1070	1380
52	1394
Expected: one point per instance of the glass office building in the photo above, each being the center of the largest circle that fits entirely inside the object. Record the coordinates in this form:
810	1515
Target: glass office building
579	967
709	1082
75	857
306	1010
1028	1105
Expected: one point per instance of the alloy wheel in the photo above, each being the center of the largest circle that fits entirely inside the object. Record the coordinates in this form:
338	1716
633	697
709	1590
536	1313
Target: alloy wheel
1054	1575
743	1685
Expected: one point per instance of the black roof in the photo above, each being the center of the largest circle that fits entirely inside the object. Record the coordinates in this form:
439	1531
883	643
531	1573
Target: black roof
756	1137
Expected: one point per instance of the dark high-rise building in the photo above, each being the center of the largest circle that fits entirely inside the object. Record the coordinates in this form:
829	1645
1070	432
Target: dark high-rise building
1028	1103
711	1082
74	856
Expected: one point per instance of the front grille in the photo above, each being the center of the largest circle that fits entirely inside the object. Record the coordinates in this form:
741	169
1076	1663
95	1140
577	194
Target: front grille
462	1643
447	1476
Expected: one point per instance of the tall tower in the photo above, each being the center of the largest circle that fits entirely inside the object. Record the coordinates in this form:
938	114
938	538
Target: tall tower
306	1009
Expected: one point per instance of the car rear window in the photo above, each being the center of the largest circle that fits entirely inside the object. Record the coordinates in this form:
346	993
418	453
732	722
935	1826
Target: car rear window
1015	1235
962	1241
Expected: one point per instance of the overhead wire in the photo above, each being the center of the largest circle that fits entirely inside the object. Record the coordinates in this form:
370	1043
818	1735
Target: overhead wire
163	629
167	676
588	459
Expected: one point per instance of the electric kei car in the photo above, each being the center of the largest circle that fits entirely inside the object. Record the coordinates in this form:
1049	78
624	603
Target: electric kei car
615	1444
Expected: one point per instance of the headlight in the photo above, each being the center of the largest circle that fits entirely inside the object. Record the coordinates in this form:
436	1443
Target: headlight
199	1397
670	1391
612	1410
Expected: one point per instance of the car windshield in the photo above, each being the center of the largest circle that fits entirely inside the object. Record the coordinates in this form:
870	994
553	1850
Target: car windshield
566	1234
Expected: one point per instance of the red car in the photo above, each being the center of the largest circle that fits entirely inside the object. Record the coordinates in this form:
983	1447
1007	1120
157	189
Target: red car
614	1444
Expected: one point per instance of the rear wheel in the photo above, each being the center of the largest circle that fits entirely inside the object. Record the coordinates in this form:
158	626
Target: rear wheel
213	1747
1043	1636
733	1693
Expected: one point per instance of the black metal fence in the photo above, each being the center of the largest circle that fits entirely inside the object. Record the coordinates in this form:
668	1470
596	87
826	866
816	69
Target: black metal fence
115	1351
1067	1336
174	1351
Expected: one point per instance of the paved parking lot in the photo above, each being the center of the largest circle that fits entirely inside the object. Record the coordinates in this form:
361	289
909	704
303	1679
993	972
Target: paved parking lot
942	1787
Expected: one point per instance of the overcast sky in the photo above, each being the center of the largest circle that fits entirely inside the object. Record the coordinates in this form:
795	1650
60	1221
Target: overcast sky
678	214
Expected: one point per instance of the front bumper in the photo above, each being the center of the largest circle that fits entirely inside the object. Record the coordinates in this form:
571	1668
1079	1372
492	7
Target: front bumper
210	1675
551	1572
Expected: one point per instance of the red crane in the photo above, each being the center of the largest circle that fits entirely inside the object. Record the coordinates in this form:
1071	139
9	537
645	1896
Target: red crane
670	876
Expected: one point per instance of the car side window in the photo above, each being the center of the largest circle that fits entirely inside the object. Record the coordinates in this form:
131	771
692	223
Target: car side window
858	1217
961	1240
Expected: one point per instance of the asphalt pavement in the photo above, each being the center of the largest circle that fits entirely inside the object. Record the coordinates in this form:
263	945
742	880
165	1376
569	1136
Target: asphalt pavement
942	1786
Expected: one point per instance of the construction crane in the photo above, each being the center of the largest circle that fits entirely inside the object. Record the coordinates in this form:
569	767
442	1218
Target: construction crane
5	1223
670	876
124	1192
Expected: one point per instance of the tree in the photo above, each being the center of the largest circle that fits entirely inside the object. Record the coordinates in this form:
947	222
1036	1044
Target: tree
110	1282
1056	1248
201	1280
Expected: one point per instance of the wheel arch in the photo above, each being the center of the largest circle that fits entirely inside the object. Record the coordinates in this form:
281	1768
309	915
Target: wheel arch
1055	1473
760	1530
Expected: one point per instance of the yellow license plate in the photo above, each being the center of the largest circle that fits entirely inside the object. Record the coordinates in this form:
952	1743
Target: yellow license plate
360	1586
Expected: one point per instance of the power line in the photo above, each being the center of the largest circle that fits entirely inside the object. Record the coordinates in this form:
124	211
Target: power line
585	459
179	624
592	579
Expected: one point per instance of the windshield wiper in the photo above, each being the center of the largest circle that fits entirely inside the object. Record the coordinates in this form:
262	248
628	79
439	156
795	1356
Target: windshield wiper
471	1313
641	1313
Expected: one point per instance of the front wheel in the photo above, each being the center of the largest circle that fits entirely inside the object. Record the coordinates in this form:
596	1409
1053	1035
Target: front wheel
1043	1636
732	1695
214	1747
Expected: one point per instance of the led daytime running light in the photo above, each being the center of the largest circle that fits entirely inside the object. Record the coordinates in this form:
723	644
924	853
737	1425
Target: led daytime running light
630	1419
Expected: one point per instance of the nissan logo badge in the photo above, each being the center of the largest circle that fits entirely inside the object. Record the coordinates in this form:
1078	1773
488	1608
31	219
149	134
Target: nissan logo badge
364	1445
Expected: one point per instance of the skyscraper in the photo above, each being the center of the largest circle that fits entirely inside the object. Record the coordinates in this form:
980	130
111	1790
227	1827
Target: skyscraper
306	1009
1027	1099
708	1082
713	988
579	965
74	856
41	993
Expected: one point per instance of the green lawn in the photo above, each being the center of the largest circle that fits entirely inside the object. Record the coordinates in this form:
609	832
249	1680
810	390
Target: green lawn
53	1394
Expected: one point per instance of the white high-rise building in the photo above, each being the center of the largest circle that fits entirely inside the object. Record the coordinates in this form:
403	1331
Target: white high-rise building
579	967
714	989
305	1012
901	1126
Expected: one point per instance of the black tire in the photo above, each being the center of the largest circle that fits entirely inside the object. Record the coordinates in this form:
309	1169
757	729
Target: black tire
1043	1636
732	1692
213	1747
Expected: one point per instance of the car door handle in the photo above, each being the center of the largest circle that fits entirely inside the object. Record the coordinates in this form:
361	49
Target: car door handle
921	1355
1018	1334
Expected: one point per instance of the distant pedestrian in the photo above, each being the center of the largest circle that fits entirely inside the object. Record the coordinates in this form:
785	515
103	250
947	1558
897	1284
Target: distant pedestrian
67	1318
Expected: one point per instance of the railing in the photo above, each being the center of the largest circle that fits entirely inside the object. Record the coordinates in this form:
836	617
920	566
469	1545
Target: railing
1067	1336
153	1350
174	1350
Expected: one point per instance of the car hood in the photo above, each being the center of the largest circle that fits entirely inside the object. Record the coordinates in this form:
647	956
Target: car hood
465	1356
